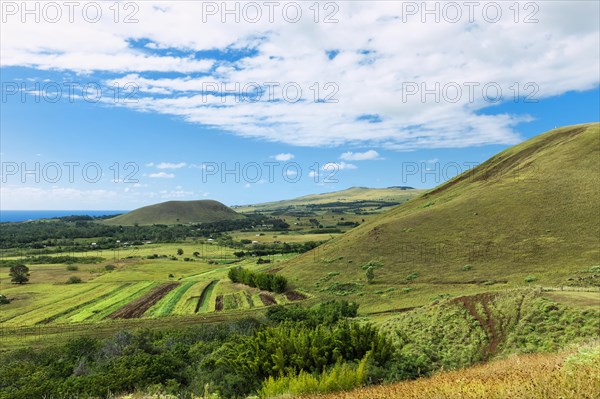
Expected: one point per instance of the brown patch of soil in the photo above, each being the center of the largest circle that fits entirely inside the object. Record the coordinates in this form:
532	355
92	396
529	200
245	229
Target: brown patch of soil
267	299
219	303
295	296
138	307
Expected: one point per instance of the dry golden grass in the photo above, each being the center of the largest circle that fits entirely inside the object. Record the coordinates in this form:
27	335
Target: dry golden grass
522	377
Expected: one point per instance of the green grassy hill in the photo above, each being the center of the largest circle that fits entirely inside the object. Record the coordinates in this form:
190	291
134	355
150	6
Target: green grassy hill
528	215
353	194
176	212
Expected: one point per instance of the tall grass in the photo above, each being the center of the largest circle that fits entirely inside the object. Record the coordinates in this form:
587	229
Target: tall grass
567	375
342	377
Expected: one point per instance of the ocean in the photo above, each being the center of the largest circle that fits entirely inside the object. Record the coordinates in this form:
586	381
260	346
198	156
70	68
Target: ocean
22	216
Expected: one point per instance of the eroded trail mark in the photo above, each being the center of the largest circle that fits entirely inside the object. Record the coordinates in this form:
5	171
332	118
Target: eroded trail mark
488	324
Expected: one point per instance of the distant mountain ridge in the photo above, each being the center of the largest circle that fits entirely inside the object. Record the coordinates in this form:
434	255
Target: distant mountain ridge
396	194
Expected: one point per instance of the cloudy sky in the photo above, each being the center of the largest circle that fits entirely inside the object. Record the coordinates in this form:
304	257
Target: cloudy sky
116	105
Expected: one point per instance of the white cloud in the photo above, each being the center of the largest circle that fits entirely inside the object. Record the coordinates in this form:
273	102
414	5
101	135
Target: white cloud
312	173
161	175
335	166
150	164
558	54
360	156
283	157
169	165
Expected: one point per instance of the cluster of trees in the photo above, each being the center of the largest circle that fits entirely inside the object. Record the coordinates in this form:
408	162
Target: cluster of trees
326	313
230	360
263	281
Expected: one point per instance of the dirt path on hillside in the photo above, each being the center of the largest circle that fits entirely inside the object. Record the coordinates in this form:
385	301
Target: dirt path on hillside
139	306
488	324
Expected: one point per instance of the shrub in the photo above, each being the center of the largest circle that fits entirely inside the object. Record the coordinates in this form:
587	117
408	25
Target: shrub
595	269
370	274
109	268
72	268
467	267
530	279
4	300
74	280
412	276
179	251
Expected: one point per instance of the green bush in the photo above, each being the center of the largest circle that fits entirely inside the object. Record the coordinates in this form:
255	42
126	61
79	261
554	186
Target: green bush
467	267
530	279
74	280
412	276
109	268
72	268
341	377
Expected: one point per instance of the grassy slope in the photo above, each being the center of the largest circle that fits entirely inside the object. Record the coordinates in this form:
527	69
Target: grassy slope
352	194
174	212
568	374
530	210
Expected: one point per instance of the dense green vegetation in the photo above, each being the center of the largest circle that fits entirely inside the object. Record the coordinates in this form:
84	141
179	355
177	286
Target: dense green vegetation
262	281
297	350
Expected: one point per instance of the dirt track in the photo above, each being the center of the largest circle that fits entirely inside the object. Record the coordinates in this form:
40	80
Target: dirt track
139	306
486	321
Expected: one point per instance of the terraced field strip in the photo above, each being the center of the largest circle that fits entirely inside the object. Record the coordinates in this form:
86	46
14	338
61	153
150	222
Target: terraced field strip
257	301
189	301
62	300
109	289
100	310
233	301
204	302
139	306
166	305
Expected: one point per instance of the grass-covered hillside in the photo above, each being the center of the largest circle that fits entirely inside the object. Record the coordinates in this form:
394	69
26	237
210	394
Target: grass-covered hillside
177	212
527	215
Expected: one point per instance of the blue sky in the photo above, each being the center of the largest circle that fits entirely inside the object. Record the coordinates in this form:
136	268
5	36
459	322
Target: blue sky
178	127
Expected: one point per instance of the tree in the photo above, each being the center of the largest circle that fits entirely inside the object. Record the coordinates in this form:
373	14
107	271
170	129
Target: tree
19	274
370	274
179	251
